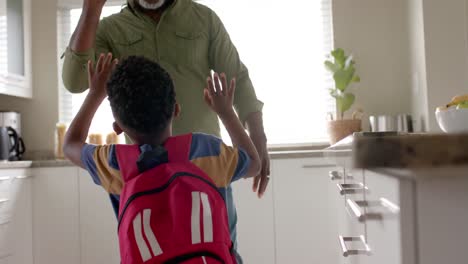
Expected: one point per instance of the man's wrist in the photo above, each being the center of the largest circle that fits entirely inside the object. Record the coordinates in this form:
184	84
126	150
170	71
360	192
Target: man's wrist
92	12
255	126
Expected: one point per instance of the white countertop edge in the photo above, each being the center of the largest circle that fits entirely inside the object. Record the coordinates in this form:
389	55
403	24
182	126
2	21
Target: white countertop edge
423	173
15	164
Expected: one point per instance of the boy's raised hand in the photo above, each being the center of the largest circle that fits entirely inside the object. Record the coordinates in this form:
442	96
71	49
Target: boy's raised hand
99	75
219	96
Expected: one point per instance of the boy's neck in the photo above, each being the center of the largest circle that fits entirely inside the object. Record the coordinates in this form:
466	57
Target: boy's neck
154	140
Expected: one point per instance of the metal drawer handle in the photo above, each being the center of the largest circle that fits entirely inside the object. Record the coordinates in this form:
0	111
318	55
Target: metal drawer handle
357	207
336	175
351	188
4	200
365	250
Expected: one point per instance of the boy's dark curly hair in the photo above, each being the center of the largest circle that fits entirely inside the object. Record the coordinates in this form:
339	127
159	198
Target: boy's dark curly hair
141	95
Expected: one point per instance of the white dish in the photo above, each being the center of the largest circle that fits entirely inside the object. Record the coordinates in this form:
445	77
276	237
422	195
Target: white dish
453	120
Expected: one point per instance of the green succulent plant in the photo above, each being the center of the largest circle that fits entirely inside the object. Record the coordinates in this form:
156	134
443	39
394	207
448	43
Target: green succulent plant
344	73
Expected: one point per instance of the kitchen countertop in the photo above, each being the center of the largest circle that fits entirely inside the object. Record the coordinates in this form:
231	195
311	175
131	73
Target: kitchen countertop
410	151
393	150
35	164
278	153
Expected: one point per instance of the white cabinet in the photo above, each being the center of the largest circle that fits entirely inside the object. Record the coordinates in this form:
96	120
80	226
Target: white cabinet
384	235
73	219
21	225
295	221
15	48
305	219
382	213
255	228
98	223
16	217
56	237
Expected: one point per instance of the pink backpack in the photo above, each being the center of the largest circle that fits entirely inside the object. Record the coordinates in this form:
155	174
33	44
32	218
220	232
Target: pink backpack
172	213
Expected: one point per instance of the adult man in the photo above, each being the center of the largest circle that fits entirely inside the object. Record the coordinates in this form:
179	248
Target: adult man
188	40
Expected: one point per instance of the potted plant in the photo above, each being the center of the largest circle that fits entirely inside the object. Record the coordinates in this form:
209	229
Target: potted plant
344	74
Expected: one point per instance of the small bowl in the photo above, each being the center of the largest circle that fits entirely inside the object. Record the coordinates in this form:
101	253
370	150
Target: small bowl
453	120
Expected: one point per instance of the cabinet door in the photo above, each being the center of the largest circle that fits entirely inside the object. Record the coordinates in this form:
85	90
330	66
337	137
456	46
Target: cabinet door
255	229
305	216
15	47
21	225
98	224
56	238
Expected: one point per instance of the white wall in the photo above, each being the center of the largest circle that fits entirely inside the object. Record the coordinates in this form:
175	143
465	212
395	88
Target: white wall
41	113
439	55
445	28
376	32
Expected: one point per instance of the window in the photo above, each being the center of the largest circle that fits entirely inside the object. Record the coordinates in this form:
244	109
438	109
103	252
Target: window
71	103
284	45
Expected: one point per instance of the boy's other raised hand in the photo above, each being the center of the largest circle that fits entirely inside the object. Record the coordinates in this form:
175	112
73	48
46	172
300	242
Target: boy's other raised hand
219	96
100	74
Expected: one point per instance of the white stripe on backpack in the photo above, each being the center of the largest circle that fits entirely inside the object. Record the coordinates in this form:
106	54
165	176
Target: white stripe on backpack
196	236
138	230
200	201
149	233
207	219
144	250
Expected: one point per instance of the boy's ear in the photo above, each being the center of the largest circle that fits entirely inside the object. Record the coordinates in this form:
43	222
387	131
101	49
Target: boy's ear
117	129
177	110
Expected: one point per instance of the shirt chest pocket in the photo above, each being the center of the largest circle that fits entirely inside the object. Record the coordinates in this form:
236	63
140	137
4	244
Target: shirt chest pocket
186	48
132	44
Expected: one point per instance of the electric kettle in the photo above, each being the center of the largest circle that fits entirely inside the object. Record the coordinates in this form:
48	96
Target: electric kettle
11	145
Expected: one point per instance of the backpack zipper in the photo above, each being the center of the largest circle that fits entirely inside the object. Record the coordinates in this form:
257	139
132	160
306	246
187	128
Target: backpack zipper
162	188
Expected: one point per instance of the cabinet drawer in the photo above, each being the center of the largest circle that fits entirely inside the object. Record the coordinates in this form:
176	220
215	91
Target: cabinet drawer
6	210
9	186
382	186
5	239
384	238
5	186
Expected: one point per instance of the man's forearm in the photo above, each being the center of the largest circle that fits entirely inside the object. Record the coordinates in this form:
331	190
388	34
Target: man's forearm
255	127
84	37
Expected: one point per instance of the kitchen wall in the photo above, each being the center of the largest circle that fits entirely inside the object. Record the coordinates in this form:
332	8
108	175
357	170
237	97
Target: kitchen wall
376	32
445	27
41	113
439	55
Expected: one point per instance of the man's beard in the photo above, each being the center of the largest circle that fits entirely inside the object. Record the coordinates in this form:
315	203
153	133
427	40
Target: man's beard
146	5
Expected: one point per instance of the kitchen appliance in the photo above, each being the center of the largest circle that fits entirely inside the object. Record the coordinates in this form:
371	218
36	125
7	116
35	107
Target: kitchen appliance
389	123
13	120
8	143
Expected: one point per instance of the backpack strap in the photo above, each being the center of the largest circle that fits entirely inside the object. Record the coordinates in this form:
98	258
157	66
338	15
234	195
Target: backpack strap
127	156
178	148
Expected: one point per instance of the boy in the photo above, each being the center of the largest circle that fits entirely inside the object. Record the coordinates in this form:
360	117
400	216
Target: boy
142	100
